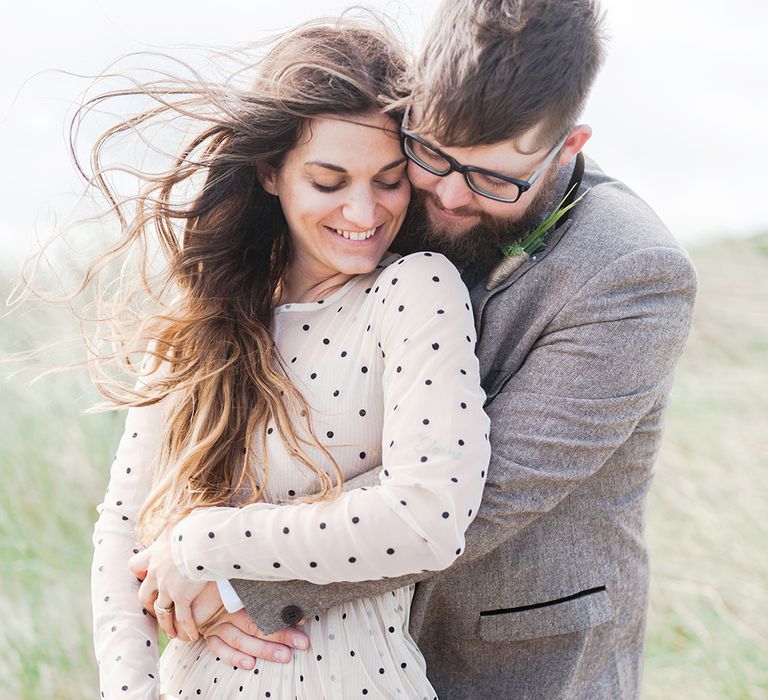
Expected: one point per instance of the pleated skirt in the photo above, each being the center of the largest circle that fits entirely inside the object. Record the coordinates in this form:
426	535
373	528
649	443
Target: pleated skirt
361	649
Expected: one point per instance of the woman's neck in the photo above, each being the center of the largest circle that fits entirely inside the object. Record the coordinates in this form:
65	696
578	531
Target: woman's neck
298	287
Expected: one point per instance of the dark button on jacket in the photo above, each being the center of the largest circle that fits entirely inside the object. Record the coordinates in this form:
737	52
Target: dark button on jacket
291	614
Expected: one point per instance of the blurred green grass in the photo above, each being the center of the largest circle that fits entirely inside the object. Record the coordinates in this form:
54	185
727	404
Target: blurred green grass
708	623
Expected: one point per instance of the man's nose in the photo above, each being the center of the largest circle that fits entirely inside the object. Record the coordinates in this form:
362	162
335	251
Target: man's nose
360	210
453	191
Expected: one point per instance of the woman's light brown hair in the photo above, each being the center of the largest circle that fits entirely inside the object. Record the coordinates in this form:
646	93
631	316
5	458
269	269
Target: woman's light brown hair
211	248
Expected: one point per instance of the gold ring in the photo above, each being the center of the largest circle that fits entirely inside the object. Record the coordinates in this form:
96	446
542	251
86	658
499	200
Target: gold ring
160	610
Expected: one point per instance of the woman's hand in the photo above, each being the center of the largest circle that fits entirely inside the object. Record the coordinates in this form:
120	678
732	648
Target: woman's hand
165	587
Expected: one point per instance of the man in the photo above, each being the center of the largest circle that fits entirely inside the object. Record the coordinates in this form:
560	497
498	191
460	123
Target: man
576	346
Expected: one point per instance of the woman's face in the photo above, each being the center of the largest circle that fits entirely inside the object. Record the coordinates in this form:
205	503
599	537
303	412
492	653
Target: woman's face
344	192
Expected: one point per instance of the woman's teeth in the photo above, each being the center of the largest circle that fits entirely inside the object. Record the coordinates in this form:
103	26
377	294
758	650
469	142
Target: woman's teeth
356	235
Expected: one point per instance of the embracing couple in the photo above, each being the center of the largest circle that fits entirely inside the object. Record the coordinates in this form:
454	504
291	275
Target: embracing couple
348	472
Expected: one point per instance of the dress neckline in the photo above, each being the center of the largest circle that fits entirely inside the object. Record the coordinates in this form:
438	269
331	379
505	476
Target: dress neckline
335	296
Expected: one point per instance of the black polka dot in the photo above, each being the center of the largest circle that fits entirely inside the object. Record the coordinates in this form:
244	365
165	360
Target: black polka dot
326	341
313	375
425	421
247	533
285	530
361	412
336	393
306	326
441	311
291	492
319	657
352	560
435	279
390	551
329	434
235	566
435	346
364	369
461	443
399	369
463	405
343	353
400	308
323	526
454	480
313	564
381	670
391	629
428	382
276	564
294	359
199	567
355	520
445	514
423	458
362	455
211	535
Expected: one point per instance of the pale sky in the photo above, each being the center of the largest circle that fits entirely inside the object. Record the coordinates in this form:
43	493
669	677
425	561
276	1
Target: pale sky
678	112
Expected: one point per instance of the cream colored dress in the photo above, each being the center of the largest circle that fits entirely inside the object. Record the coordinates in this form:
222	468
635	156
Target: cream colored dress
387	365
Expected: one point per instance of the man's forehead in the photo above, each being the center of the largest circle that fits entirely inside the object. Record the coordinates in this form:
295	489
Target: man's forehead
525	144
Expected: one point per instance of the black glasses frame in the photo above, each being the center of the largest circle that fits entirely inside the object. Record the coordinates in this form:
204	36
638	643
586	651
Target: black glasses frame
454	165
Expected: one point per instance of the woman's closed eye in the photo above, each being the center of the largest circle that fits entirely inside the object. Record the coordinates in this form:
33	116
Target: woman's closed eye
396	185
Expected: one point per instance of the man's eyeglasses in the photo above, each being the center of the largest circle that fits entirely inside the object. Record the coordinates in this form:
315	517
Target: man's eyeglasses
486	183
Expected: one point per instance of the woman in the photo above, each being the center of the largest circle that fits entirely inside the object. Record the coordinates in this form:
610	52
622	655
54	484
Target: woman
295	353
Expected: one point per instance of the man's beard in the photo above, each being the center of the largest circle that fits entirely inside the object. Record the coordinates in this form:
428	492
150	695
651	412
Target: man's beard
479	244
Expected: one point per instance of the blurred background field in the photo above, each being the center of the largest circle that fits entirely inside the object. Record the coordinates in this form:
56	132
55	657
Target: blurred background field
708	625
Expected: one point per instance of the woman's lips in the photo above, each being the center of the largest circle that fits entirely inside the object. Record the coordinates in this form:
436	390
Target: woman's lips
356	236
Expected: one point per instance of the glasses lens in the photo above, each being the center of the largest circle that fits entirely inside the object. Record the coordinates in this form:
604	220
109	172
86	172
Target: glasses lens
426	157
494	187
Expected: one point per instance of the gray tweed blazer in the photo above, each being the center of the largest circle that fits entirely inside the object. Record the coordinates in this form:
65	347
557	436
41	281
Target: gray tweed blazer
577	350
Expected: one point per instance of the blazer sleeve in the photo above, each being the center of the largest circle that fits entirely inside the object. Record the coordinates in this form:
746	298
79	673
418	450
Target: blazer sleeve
603	362
435	450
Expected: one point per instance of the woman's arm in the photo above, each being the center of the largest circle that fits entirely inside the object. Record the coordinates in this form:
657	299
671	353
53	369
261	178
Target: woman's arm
125	636
435	455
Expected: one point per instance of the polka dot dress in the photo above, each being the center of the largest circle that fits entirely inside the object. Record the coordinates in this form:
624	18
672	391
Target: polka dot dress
387	366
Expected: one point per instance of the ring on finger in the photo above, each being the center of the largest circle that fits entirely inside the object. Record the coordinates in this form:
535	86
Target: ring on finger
160	610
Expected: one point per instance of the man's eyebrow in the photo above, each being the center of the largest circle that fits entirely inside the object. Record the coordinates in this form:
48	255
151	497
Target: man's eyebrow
339	169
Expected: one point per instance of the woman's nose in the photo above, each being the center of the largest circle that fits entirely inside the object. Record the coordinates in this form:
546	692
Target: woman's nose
360	210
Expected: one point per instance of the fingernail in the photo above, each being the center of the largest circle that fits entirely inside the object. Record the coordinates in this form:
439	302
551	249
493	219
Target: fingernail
283	655
299	642
246	663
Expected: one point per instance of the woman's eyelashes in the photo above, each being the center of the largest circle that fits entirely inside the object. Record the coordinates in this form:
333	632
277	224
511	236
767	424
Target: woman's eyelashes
339	185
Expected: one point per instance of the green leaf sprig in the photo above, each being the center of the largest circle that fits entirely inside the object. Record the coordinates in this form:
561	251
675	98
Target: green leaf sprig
516	254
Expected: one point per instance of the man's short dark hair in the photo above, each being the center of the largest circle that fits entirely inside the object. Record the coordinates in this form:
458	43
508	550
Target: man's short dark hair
491	70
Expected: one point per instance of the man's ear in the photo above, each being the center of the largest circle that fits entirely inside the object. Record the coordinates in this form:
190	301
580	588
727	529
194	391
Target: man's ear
268	178
575	142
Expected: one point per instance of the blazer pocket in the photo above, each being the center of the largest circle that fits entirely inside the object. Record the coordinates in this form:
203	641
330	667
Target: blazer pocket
574	613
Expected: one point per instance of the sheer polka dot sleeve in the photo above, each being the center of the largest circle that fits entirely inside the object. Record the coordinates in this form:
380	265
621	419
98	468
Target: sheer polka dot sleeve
435	454
125	635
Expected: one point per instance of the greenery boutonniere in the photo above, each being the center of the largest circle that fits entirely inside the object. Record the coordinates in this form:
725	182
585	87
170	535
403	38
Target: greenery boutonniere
518	253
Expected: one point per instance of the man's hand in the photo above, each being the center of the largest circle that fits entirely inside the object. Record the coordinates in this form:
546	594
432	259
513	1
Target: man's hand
234	637
236	640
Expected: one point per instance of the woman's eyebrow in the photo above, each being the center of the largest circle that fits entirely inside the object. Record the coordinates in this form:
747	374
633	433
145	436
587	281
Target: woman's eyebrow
339	169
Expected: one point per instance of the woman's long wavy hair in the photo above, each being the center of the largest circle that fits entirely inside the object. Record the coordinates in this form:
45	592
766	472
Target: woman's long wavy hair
202	322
